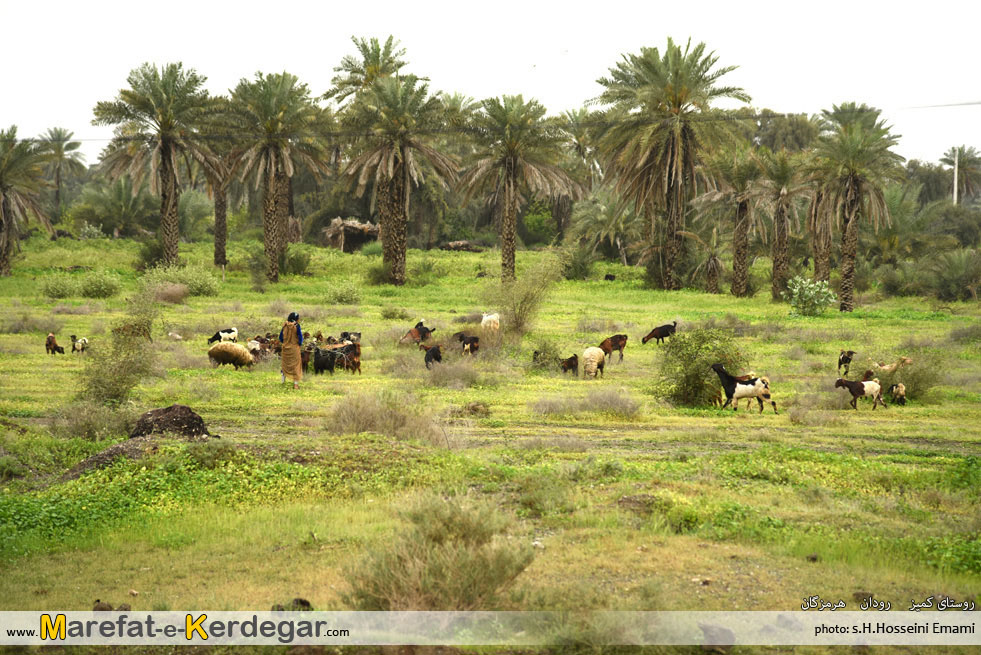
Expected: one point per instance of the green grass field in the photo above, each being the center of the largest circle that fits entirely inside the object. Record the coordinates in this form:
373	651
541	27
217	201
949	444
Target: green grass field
639	506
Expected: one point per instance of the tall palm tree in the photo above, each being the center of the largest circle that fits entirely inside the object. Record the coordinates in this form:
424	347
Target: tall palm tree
732	173
21	182
398	115
781	185
855	162
374	61
658	131
517	150
63	159
968	170
157	120
604	217
284	129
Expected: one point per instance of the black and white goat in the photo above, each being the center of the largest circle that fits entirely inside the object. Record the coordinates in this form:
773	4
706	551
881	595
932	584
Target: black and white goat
228	334
845	359
871	388
735	389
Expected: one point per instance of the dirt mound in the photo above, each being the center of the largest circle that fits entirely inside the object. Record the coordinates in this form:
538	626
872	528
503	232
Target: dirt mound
176	419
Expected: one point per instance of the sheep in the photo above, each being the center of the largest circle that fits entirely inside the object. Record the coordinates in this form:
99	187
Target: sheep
898	393
616	342
845	359
51	345
433	355
228	334
661	332
79	345
230	353
891	368
735	389
570	364
491	321
872	389
593	359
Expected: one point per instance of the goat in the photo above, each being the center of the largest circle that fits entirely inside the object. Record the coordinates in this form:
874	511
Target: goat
661	332
891	368
433	355
228	334
51	345
898	393
79	345
845	359
348	356
470	345
571	364
871	388
616	342
324	360
353	337
491	321
609	277
734	389
417	334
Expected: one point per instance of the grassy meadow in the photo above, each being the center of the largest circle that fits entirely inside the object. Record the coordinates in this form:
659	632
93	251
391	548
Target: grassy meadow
627	501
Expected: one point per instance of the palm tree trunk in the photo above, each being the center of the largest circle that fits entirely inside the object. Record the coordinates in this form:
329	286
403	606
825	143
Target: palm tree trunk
562	213
6	236
398	224
509	219
849	251
781	264
713	280
221	225
282	210
58	193
672	241
170	229
740	250
822	256
270	229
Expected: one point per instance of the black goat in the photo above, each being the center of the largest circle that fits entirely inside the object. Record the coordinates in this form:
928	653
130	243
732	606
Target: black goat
735	389
571	364
661	332
845	359
433	354
324	360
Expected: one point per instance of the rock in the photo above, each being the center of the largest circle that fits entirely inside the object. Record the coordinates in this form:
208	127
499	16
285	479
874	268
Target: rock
176	419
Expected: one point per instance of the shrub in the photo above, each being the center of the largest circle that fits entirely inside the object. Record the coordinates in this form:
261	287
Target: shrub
927	370
169	292
540	494
99	284
453	374
387	413
372	249
89	419
425	272
969	334
391	313
577	263
450	557
10	468
343	293
27	323
903	279
548	355
378	274
615	403
89	231
209	454
199	280
808	297
151	254
686	365
59	285
956	275
293	261
520	301
256	262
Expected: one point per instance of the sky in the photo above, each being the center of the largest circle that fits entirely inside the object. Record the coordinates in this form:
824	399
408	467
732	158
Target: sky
60	58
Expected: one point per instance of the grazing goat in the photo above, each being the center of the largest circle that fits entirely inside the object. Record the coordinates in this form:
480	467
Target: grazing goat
228	334
898	393
593	360
470	345
661	332
324	360
79	345
891	368
751	388
433	354
418	334
616	342
353	337
872	389
746	378
305	355
133	330
230	353
571	364
491	321
51	345
845	359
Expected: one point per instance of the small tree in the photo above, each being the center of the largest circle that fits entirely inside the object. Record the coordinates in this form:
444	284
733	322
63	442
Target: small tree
519	301
808	297
687	365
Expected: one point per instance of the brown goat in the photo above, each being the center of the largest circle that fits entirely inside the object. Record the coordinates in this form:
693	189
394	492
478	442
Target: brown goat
51	345
661	332
571	364
871	388
615	343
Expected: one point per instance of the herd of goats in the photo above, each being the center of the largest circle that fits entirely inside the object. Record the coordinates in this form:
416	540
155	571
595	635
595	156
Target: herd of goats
344	352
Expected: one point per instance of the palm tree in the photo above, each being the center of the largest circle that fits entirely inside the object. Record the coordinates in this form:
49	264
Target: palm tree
21	182
781	185
63	159
662	121
374	62
117	207
397	113
157	120
855	163
732	173
968	170
285	129
713	249
603	217
517	150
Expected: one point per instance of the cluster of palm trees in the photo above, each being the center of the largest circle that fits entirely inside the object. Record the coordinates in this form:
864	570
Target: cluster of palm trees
650	154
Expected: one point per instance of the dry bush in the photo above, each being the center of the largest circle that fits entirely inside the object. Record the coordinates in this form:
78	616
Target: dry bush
968	334
453	373
386	339
338	311
171	292
280	307
86	308
451	556
387	413
601	325
519	302
803	411
84	419
611	402
473	317
27	323
393	313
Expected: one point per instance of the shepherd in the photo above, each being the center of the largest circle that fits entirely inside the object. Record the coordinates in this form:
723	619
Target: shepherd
291	336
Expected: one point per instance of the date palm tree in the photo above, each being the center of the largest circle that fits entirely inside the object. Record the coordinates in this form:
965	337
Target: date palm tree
285	130
854	163
780	187
968	170
661	123
517	150
157	120
398	117
21	182
63	159
374	61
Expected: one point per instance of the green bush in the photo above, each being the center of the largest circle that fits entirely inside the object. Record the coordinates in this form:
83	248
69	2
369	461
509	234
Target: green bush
378	274
451	556
257	263
390	313
956	275
209	454
87	419
577	263
99	284
520	301
199	280
294	261
927	371
808	297
425	272
343	293
686	367
151	254
10	468
90	231
59	285
372	249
